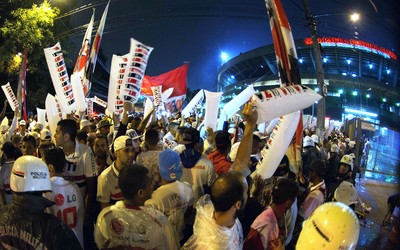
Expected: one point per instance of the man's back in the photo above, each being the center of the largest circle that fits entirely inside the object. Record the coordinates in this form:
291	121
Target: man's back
69	204
199	175
134	226
208	234
172	200
26	227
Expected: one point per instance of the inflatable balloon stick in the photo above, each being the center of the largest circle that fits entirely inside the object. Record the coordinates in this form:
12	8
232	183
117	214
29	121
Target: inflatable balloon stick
59	77
41	115
196	100
12	100
212	104
79	95
53	113
234	105
166	94
280	101
279	141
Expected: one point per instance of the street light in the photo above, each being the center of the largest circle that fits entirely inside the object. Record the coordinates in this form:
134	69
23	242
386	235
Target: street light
355	17
224	57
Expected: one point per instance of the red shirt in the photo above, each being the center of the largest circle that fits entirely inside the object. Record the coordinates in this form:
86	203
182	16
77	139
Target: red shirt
221	162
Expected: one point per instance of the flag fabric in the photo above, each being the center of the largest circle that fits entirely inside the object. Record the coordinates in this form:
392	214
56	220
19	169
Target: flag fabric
95	49
118	67
139	54
60	78
21	90
9	93
176	79
82	62
287	61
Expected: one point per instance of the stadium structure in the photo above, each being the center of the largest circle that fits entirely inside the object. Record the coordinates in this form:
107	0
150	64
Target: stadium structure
362	78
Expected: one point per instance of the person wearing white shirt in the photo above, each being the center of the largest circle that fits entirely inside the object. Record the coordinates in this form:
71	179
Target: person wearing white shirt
129	224
173	197
69	205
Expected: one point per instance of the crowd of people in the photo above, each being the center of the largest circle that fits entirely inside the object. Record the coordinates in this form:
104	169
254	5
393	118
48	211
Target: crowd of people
169	183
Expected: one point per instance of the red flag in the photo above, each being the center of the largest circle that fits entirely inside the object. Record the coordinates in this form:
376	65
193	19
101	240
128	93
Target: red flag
21	92
287	61
82	62
176	78
95	49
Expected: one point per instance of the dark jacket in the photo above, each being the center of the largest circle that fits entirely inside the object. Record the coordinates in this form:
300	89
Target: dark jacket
25	225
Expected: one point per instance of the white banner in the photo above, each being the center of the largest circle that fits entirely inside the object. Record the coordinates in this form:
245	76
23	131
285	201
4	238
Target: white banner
280	101
89	102
77	89
157	101
196	100
100	102
12	100
278	143
233	105
118	69
59	77
137	62
212	104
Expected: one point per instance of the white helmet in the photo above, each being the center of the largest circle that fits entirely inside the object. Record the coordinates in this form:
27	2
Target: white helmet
352	144
30	174
315	138
347	159
308	142
334	148
333	225
346	193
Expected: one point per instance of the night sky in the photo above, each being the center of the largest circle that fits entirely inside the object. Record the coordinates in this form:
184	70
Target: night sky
197	31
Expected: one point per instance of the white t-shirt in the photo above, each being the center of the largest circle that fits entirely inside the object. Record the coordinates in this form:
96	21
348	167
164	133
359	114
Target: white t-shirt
108	190
172	200
209	235
5	173
202	173
134	227
80	165
69	204
149	159
169	141
314	199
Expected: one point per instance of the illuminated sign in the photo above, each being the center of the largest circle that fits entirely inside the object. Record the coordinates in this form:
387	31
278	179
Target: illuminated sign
352	43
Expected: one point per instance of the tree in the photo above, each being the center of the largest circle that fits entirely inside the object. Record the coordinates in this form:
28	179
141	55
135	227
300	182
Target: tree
26	25
30	29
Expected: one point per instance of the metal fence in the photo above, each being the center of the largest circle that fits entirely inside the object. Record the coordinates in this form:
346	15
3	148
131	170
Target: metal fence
377	150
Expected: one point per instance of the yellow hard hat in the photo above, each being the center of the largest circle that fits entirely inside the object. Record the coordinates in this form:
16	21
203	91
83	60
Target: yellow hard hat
333	225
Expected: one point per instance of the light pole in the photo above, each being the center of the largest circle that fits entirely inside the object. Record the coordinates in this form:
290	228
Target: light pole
319	71
318	65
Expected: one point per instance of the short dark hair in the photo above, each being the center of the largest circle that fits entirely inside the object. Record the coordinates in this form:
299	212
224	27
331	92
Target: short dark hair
10	150
284	189
222	140
56	157
194	135
227	189
152	137
82	136
29	138
131	179
68	126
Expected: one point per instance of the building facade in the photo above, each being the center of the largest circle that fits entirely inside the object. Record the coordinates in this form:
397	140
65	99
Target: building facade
362	78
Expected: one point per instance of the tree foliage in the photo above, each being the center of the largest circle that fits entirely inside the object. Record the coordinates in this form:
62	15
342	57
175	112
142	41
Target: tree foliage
30	29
